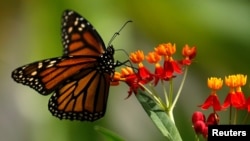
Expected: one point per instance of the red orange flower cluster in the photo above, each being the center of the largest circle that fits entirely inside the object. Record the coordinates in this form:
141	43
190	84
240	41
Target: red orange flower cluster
234	99
235	96
163	72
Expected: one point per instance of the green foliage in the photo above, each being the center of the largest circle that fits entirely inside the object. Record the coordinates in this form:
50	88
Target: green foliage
108	134
159	117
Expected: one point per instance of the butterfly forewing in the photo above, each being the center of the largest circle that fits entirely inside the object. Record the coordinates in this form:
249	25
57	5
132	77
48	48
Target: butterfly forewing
79	37
31	75
46	75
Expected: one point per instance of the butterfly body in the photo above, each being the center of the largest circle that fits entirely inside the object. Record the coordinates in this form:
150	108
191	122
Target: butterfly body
80	79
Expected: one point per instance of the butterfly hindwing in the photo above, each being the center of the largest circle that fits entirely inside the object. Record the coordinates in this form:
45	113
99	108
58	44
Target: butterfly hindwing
81	99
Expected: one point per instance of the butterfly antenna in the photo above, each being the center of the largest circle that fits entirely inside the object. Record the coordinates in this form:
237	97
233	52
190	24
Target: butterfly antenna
118	32
127	61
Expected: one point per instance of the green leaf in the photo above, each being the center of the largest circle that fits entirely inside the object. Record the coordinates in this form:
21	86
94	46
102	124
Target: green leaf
109	135
159	117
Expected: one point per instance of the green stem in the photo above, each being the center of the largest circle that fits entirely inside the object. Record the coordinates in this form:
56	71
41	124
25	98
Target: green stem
153	91
171	116
165	94
156	99
171	92
245	119
235	116
179	90
230	115
197	137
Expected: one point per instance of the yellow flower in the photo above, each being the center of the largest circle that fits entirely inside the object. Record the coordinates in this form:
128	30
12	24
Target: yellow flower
137	57
214	83
189	52
242	80
165	49
126	71
153	57
236	80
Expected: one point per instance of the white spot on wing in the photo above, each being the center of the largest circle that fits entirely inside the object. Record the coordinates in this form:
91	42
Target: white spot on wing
34	73
70	29
76	22
40	65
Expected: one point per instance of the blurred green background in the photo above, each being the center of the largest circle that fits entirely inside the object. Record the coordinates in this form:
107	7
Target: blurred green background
30	31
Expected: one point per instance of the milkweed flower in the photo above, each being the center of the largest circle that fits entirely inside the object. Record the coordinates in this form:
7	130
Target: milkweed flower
128	76
198	116
131	79
235	96
241	82
137	58
154	58
189	54
214	84
170	65
213	119
200	128
116	78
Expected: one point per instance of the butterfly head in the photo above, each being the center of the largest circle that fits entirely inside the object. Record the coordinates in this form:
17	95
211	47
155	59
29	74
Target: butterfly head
106	61
110	50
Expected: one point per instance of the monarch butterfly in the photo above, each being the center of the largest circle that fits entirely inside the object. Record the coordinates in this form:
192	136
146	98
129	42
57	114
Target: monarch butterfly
80	79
